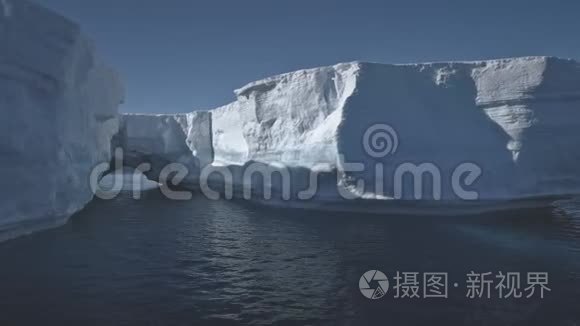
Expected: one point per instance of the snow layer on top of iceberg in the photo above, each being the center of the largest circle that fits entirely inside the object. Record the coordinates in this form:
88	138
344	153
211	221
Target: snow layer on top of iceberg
60	107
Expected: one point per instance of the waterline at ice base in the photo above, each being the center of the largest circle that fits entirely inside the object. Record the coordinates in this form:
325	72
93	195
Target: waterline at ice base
451	136
477	135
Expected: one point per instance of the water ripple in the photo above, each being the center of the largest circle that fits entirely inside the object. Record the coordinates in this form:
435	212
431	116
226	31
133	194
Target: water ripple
155	262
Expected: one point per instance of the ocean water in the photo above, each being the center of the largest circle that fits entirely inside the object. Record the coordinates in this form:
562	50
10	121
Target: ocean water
159	262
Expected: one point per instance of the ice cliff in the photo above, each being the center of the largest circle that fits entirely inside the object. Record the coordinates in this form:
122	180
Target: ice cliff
161	140
347	130
60	113
515	119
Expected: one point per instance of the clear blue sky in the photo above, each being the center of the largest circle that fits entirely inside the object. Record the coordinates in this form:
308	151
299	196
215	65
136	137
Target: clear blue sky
182	55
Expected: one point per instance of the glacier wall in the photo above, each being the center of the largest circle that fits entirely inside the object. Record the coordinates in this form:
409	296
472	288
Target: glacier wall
290	118
60	107
516	119
164	139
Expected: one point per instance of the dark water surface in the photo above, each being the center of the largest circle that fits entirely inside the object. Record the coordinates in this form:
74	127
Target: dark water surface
159	262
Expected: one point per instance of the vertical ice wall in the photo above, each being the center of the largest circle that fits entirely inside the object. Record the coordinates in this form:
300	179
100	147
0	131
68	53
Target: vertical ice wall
163	139
515	119
59	107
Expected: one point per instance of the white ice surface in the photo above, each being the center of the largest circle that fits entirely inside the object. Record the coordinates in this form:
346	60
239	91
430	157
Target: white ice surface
159	140
59	104
125	180
517	119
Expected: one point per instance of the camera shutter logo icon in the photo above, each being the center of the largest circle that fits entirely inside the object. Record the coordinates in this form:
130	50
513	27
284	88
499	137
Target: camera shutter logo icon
373	284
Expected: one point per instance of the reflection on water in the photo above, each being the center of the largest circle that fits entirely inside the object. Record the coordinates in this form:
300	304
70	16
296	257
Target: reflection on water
160	262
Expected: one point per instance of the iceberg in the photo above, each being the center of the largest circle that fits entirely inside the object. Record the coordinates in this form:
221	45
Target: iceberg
59	104
396	137
493	130
163	139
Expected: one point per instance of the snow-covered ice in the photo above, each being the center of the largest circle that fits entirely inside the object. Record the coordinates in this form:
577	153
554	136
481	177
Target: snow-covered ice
164	139
59	104
516	119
